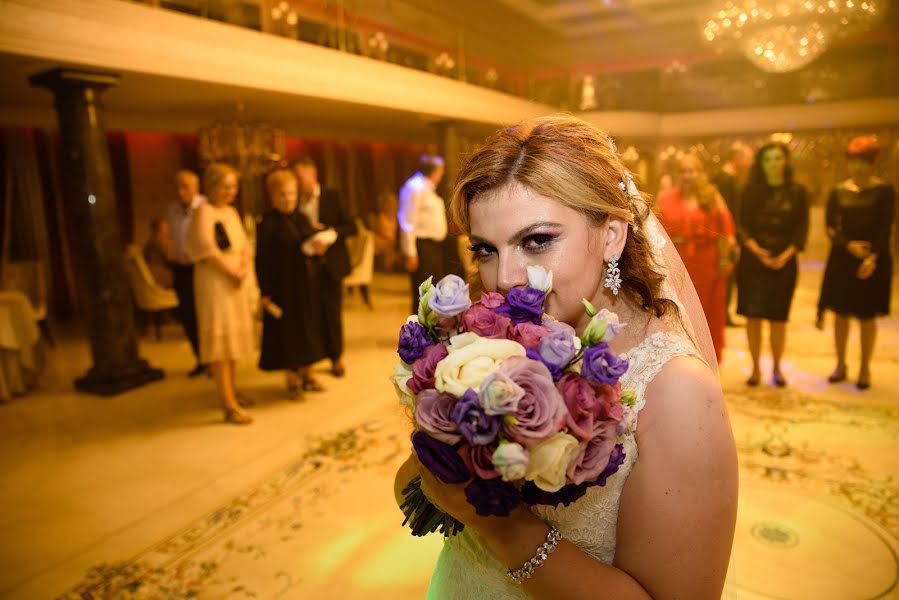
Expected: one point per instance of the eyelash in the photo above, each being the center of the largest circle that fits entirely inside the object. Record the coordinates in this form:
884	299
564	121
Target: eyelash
535	244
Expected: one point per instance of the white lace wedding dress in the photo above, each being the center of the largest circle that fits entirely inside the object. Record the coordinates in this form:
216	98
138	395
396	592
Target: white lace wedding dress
468	570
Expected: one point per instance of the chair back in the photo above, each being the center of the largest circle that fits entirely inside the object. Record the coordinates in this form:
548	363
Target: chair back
148	295
27	276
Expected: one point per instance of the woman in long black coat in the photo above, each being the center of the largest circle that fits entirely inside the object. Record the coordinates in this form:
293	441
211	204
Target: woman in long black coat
859	270
292	339
773	227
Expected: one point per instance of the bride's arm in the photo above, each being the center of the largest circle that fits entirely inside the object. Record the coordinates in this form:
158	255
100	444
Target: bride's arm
678	507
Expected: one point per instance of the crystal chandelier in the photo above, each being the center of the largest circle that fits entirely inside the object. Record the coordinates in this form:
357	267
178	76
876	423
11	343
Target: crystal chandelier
250	146
785	35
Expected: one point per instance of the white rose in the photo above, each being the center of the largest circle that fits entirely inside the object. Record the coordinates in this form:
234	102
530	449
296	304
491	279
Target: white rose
402	373
540	279
511	460
499	394
467	366
549	461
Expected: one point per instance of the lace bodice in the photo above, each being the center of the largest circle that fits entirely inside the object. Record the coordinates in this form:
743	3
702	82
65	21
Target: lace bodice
468	569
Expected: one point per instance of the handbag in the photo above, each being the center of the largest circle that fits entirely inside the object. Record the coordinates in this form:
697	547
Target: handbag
221	236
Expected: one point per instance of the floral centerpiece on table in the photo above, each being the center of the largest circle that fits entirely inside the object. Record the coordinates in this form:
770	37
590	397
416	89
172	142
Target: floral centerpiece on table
508	399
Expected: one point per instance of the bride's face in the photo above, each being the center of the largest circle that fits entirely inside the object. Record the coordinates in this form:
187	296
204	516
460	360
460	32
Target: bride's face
514	227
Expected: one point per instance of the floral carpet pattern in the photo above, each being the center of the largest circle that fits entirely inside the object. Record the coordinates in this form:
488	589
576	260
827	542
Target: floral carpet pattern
818	486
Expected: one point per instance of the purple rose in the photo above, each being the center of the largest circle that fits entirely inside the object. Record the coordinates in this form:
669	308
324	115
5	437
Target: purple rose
594	455
432	413
554	370
450	297
486	323
601	365
440	459
413	341
580	400
492	300
476	426
529	334
524	305
479	460
541	411
492	497
423	369
558	348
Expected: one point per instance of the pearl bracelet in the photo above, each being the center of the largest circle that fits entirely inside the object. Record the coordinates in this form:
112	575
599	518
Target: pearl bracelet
543	552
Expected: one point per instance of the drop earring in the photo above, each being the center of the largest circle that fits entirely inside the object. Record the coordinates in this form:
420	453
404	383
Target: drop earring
613	276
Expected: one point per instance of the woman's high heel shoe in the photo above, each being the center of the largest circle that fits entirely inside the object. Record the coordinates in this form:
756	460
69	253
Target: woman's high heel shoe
235	416
838	375
778	379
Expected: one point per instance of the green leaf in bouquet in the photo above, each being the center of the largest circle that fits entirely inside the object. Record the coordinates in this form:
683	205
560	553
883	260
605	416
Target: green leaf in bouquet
594	332
628	396
588	306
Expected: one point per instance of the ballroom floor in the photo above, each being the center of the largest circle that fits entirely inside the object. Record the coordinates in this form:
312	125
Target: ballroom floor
149	495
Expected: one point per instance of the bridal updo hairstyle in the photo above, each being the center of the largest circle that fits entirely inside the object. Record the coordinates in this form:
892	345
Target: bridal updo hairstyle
573	162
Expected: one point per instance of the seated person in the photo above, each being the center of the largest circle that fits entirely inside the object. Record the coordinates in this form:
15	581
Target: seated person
158	253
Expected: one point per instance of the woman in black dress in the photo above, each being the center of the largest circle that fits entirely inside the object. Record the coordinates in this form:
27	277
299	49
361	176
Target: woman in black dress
291	337
859	269
773	227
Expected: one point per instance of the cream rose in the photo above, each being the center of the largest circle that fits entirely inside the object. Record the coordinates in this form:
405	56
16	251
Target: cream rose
471	361
549	461
402	373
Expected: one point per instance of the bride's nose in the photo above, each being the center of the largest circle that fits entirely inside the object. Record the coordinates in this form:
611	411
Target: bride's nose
511	273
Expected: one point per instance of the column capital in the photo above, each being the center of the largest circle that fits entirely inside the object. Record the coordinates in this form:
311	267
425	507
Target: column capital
62	78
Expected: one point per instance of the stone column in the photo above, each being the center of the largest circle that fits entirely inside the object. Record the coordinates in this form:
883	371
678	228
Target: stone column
448	141
90	205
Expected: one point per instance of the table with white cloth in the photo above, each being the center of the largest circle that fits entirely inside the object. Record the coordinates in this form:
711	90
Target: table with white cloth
19	335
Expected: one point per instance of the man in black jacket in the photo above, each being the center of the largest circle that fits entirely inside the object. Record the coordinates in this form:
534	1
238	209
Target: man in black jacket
325	211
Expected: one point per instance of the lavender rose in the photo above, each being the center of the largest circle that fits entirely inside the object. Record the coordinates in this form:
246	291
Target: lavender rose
433	414
450	297
601	365
524	305
541	411
413	341
499	394
554	370
580	400
486	323
529	334
594	454
558	348
492	497
476	426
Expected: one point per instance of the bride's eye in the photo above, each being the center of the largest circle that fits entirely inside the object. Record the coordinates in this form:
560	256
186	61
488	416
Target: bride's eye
482	251
539	242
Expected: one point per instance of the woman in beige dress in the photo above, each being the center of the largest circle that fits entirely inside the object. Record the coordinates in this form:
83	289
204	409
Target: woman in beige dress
221	286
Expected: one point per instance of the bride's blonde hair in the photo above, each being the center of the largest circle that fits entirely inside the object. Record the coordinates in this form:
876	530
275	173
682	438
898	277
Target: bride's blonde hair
571	161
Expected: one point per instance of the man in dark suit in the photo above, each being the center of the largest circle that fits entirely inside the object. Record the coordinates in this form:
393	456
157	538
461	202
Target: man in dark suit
325	211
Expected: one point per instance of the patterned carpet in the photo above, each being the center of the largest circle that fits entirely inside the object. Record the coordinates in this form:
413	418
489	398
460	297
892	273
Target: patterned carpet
819	516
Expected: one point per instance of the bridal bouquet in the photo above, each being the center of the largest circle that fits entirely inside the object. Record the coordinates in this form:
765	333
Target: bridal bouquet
508	399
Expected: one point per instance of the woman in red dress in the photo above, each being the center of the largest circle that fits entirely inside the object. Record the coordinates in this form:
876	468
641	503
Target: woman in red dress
702	229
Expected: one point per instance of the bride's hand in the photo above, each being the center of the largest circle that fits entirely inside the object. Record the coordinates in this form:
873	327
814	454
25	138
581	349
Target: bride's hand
448	497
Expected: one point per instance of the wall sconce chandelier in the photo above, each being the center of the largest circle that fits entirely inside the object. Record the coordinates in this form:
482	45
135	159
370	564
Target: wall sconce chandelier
779	36
251	146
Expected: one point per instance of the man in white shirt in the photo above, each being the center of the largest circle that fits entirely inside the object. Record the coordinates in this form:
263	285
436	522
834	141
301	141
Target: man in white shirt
422	224
180	214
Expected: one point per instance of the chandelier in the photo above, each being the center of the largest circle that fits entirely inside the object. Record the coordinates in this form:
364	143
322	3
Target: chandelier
785	35
250	146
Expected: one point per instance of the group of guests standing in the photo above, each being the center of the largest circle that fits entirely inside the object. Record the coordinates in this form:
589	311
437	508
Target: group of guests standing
748	227
298	265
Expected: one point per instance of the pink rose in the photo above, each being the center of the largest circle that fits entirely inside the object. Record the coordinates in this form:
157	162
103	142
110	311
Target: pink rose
481	320
492	300
541	413
432	413
423	368
479	460
528	334
580	400
608	402
594	454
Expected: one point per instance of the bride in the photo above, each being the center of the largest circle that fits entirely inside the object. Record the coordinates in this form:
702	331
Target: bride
553	192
